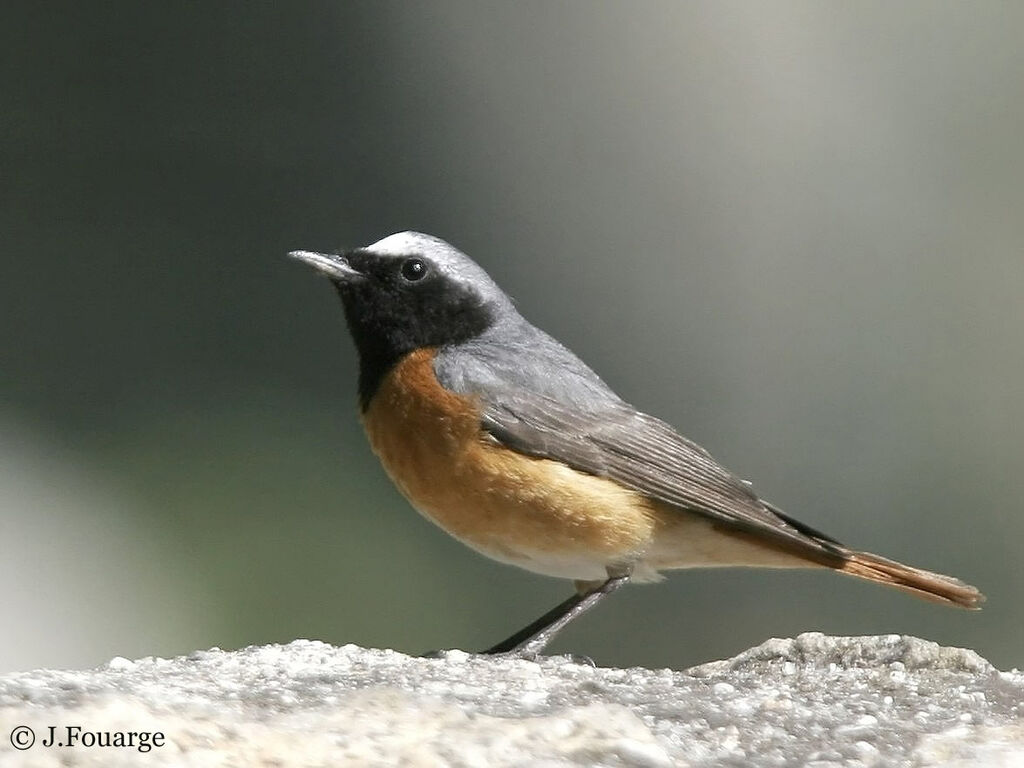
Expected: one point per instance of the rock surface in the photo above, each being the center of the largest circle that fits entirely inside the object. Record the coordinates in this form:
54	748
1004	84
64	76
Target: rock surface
811	701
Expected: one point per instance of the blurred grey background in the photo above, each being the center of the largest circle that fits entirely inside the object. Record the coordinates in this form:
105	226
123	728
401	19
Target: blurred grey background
795	230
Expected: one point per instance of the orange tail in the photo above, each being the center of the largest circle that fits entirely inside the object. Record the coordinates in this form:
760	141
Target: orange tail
930	586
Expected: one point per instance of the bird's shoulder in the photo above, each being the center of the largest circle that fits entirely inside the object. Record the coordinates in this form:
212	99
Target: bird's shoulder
539	398
517	362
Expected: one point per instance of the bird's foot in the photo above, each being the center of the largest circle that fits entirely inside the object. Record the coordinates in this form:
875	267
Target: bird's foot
523	654
529	655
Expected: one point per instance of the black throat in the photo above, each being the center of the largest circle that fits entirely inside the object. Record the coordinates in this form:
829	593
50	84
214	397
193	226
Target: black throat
374	365
385	331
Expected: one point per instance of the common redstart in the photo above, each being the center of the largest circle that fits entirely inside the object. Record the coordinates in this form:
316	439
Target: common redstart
509	442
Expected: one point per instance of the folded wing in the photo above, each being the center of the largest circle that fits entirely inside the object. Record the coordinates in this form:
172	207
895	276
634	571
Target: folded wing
647	455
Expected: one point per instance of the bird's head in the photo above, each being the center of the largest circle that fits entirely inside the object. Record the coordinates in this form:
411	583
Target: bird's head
410	291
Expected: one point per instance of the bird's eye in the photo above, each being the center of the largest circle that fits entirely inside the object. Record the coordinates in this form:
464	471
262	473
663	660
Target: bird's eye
413	270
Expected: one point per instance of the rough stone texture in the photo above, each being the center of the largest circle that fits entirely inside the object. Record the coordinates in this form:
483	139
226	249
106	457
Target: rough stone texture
812	701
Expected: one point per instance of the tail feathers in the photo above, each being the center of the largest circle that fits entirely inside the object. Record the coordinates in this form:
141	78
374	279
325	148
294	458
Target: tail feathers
930	586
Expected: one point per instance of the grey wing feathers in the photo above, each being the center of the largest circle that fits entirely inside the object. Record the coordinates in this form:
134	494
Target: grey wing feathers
568	414
645	454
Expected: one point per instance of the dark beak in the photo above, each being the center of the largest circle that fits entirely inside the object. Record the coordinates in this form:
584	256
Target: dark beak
334	266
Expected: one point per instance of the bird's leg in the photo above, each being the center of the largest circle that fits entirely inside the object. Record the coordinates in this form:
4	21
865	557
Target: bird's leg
531	640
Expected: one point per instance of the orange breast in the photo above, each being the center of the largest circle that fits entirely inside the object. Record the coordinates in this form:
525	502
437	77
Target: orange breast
535	513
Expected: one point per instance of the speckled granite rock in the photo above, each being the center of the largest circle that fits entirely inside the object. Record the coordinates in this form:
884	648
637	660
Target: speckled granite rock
811	701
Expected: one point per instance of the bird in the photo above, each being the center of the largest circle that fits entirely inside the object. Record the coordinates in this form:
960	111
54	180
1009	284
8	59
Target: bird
499	434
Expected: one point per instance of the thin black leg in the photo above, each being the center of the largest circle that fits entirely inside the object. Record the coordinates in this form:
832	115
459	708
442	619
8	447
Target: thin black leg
531	640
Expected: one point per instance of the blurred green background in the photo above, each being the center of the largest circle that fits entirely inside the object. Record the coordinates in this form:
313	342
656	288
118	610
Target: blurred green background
794	230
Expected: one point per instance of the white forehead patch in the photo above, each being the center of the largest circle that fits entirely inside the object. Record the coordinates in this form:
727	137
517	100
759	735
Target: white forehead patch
402	243
448	259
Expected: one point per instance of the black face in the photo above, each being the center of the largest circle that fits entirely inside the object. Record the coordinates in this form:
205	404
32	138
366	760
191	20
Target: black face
397	304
